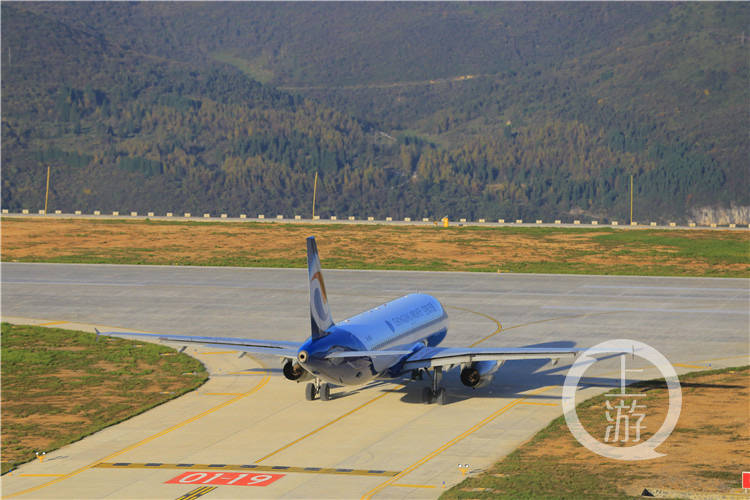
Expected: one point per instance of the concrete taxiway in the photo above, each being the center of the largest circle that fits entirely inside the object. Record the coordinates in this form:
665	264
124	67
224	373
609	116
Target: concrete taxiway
375	441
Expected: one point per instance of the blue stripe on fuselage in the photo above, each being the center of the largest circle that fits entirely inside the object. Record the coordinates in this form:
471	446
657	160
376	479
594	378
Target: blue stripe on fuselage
407	323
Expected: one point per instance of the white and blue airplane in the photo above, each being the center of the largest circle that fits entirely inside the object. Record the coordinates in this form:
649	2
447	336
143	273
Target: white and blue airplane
394	339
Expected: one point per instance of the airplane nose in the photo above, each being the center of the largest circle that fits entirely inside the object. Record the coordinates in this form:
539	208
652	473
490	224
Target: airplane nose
302	356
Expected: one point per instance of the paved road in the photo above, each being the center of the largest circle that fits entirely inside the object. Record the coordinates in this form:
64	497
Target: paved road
247	415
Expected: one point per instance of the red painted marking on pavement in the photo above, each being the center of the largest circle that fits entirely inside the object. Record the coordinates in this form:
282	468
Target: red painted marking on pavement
225	478
746	480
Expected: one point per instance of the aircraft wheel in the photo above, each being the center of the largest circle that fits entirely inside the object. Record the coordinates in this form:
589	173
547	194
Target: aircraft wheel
440	396
310	391
427	395
325	392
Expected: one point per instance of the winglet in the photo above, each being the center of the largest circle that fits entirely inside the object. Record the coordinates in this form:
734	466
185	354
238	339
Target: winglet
320	313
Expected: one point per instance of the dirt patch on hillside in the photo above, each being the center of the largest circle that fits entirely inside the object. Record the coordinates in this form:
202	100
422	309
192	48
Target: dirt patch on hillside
363	246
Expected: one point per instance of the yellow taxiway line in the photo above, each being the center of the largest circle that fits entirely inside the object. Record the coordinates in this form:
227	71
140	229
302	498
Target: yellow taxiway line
683	365
497	330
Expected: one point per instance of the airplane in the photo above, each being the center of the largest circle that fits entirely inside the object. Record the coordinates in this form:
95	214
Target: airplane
389	341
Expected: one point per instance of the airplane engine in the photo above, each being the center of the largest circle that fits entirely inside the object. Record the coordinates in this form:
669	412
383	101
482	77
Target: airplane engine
293	371
479	373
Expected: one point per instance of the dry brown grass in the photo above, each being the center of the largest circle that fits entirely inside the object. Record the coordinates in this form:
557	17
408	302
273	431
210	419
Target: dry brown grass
601	251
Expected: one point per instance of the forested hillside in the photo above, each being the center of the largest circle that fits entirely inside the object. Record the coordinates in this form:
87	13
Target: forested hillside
468	110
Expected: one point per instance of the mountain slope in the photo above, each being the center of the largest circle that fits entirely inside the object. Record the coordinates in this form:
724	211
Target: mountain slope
477	110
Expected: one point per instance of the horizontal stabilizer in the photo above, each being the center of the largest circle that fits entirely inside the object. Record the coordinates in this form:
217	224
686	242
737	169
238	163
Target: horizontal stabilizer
371	354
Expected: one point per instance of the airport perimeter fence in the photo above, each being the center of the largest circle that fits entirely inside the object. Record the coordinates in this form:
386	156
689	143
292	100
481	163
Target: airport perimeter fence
445	222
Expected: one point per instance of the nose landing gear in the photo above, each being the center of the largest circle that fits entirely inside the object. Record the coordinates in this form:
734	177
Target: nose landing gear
310	391
317	389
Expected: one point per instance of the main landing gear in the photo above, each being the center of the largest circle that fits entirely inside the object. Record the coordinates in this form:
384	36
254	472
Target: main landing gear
434	394
317	389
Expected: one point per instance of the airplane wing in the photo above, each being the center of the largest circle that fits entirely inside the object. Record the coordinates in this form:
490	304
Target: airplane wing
273	347
430	357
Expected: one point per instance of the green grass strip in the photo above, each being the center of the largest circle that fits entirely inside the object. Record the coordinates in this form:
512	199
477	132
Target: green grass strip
60	386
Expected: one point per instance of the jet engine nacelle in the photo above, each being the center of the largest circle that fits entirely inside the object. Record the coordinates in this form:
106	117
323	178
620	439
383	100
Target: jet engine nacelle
293	371
479	373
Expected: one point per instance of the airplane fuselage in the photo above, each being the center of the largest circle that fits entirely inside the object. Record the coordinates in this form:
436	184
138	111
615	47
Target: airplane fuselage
408	323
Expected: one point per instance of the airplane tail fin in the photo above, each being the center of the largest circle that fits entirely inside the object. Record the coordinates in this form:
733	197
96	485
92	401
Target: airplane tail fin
320	313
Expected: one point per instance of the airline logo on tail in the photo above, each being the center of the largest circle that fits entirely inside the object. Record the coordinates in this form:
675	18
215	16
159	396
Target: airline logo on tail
320	313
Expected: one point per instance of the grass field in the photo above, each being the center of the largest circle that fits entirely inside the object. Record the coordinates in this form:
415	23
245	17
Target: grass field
505	249
706	452
62	385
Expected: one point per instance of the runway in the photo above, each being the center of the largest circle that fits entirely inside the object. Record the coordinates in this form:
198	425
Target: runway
377	441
